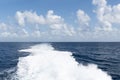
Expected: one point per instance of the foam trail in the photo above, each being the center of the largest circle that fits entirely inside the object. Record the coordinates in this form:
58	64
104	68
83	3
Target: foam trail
46	63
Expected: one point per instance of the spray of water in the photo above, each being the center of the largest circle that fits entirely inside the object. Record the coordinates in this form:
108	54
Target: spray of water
46	63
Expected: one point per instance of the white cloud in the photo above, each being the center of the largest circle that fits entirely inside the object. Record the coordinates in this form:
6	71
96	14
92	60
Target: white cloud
6	30
33	18
54	27
29	17
36	33
51	18
55	22
3	27
5	34
8	34
58	25
20	18
107	14
69	30
24	33
83	18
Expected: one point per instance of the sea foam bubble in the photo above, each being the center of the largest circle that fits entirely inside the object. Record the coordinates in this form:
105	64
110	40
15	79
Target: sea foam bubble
46	63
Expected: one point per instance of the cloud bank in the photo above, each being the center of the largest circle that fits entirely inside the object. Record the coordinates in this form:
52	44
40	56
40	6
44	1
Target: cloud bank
31	26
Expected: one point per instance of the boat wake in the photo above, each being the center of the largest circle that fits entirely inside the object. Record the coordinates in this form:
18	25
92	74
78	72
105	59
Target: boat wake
46	63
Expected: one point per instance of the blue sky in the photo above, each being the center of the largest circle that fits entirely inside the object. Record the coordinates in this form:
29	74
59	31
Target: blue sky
61	7
59	20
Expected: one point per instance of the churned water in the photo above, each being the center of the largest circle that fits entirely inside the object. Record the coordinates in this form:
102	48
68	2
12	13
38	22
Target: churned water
60	61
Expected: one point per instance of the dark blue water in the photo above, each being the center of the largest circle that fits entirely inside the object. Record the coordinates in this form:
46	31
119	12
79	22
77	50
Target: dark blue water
105	55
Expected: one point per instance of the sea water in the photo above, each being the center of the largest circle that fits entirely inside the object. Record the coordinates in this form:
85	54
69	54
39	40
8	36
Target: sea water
60	61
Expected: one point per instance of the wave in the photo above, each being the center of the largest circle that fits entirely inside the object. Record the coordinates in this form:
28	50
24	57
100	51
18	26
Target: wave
46	63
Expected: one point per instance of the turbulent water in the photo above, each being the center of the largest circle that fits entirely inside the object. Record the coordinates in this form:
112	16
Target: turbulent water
59	61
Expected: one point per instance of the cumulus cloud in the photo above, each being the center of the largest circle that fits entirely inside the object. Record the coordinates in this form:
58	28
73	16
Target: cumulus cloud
107	14
3	27
54	27
55	22
24	33
52	18
29	17
83	18
58	25
6	30
36	33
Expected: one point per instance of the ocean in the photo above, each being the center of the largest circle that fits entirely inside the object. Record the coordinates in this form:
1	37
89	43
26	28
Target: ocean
60	61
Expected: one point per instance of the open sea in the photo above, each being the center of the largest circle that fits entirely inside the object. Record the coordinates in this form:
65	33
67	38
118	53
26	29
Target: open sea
60	61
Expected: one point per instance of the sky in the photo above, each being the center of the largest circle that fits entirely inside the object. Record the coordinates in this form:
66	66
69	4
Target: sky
59	20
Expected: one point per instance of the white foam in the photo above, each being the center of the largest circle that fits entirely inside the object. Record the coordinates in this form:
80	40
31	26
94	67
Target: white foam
45	63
